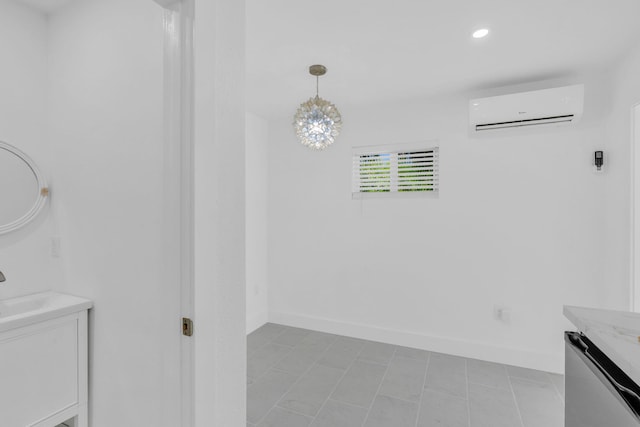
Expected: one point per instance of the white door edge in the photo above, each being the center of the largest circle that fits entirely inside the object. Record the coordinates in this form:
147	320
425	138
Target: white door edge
178	181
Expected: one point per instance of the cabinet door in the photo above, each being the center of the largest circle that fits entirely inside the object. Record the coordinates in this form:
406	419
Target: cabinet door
38	371
589	401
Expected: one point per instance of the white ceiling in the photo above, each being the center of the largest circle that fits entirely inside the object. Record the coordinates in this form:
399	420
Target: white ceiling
378	51
47	6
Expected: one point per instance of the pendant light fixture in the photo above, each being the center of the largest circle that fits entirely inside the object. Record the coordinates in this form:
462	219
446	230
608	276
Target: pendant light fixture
317	122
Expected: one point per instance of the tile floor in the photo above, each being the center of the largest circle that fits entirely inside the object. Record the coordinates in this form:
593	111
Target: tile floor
302	378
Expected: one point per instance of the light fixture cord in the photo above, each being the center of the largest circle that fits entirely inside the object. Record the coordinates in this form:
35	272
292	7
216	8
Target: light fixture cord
317	86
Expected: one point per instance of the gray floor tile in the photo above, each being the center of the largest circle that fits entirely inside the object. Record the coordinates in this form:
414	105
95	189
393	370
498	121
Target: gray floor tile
342	352
539	403
278	417
528	374
377	352
337	414
360	384
492	407
265	358
319	338
412	353
558	381
268	330
254	345
387	412
305	354
487	373
291	336
447	374
262	335
348	342
311	391
265	392
298	361
404	379
383	386
442	410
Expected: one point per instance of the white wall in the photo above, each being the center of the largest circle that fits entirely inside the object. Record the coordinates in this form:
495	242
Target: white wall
625	93
256	144
102	87
635	261
25	254
106	124
518	222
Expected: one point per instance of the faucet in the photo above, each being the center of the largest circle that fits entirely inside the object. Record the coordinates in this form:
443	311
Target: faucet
2	278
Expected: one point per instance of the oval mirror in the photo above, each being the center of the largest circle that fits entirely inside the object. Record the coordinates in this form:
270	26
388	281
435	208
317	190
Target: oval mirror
23	189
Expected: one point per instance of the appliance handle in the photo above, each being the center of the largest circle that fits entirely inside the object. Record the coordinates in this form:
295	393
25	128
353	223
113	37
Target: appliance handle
630	396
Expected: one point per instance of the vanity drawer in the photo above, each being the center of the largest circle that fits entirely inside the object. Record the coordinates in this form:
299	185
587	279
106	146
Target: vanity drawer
38	371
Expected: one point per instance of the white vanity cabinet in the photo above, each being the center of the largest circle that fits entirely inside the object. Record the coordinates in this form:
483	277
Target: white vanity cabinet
44	361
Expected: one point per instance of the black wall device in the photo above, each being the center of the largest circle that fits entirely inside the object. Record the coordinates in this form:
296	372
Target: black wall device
599	159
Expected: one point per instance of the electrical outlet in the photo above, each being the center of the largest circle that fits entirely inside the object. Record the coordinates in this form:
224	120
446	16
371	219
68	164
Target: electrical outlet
55	247
502	313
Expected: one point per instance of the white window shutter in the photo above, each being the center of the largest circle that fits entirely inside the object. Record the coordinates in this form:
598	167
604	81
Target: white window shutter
372	173
401	172
418	171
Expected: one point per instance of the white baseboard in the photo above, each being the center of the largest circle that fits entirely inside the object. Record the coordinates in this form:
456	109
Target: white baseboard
255	321
472	349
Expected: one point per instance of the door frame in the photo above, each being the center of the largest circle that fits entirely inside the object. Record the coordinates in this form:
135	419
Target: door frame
178	25
205	192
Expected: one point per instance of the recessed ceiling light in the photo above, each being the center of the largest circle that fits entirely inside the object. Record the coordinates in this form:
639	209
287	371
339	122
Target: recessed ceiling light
478	34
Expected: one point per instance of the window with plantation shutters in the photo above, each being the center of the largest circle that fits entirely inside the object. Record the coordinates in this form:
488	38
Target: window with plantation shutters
401	171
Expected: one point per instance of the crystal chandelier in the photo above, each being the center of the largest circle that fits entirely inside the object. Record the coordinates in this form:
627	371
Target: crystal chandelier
317	121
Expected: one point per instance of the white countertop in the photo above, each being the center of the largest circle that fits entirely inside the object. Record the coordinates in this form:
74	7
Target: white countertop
616	333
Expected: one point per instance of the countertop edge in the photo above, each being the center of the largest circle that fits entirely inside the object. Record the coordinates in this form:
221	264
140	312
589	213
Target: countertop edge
595	334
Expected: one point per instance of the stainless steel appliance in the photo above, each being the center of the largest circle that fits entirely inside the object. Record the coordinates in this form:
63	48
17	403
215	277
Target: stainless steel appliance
597	392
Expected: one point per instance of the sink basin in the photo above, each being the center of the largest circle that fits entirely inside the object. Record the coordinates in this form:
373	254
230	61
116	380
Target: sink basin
22	311
16	306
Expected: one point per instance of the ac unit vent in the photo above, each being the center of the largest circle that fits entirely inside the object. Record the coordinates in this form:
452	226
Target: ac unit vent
555	106
528	122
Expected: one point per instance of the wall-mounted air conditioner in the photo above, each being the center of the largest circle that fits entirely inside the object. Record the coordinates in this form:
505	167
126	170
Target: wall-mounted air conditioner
557	106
